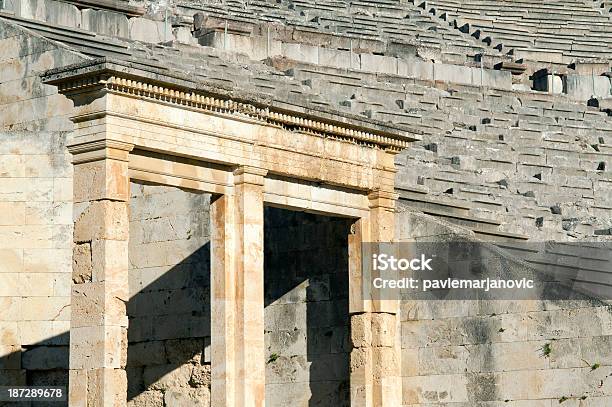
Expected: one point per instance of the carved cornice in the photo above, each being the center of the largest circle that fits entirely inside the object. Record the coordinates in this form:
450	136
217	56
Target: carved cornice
296	122
83	152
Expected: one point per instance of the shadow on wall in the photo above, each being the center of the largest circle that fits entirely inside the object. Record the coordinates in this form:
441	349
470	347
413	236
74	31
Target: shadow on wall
306	316
40	364
168	360
168	363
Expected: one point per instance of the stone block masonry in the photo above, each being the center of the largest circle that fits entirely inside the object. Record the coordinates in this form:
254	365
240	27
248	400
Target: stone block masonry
168	357
35	213
306	315
531	353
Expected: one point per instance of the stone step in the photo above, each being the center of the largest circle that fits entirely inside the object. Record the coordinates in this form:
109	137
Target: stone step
422	200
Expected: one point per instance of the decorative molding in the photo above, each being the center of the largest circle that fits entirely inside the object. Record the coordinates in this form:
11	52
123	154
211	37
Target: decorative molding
99	150
229	107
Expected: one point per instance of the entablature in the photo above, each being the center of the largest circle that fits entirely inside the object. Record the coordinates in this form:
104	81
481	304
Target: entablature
122	77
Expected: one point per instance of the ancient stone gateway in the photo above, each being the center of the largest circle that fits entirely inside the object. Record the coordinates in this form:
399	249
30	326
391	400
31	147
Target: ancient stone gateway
142	125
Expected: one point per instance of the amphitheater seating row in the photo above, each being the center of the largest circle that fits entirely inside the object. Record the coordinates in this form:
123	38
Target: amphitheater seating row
571	28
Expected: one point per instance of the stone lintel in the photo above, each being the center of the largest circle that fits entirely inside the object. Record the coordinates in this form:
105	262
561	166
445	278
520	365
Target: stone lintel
132	80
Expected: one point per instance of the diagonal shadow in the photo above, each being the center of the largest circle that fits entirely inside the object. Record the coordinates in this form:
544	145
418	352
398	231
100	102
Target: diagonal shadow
306	299
168	361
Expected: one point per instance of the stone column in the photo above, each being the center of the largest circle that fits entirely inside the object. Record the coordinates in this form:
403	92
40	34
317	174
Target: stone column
375	357
98	325
237	303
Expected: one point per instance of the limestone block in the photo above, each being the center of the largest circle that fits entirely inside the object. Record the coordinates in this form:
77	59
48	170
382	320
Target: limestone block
143	29
45	358
11	165
93	347
378	63
12	377
184	350
168	377
47	260
102	220
329	367
11	260
338	58
10	284
41	332
110	265
261	46
183	35
10	357
105	179
105	22
77	395
361	332
294	369
94	304
200	376
147	353
383	329
492	78
10	333
149	398
63	14
287	342
106	387
584	87
45	309
11	237
62	189
190	397
11	307
61	284
32	9
435	389
452	73
301	52
386	362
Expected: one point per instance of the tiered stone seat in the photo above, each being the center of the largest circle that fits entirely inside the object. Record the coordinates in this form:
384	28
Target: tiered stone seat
386	21
568	28
534	163
509	156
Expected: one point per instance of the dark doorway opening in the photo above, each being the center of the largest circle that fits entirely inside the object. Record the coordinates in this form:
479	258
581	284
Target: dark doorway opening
306	316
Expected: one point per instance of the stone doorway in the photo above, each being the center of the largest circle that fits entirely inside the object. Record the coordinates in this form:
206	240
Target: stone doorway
306	315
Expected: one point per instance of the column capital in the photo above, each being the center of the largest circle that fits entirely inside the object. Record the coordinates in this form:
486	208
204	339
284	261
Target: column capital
249	175
83	152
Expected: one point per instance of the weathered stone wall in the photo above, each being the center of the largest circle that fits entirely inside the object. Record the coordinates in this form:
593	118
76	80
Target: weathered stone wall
306	316
169	308
35	213
510	353
152	27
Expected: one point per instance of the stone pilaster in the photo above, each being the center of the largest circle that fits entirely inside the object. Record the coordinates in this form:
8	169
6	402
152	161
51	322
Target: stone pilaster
238	365
375	357
98	326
